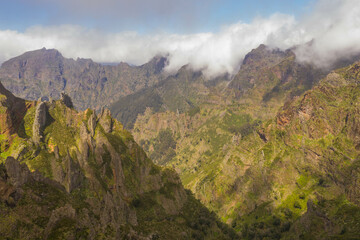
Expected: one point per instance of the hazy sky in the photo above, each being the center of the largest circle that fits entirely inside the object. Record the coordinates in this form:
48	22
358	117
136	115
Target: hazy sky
209	35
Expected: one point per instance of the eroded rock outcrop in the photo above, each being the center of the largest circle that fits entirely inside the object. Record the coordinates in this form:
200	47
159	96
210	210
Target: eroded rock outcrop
18	173
66	100
106	120
12	111
39	122
92	123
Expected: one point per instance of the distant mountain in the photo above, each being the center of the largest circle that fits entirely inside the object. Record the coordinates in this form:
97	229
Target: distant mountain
177	93
271	75
46	73
267	79
66	174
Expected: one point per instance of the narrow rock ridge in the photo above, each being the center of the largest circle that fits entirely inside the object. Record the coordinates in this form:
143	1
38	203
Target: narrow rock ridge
12	111
92	123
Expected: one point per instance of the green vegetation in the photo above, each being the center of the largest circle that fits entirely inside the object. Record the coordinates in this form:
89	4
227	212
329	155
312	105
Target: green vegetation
164	147
127	108
260	160
86	183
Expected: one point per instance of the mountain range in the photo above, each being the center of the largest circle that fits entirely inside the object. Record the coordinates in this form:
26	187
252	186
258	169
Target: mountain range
46	73
268	163
272	151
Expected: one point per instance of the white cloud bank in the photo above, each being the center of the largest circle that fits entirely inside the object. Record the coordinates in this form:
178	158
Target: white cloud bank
334	27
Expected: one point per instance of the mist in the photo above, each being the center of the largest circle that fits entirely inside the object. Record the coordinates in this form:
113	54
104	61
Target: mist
333	29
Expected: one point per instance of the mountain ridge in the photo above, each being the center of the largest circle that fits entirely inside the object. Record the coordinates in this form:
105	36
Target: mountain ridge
45	73
271	168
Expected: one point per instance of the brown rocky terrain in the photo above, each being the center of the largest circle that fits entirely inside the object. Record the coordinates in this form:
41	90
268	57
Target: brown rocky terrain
46	73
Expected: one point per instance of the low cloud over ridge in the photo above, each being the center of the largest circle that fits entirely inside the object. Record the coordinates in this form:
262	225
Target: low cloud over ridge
333	29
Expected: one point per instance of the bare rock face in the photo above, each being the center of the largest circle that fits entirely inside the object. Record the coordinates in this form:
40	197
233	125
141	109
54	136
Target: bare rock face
80	78
39	122
105	120
92	123
66	100
73	174
83	147
69	176
12	111
18	173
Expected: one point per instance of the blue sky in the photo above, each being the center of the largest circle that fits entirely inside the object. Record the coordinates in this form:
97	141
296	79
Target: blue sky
143	16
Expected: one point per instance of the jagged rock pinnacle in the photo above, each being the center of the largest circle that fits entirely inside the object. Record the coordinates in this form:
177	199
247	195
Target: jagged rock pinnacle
92	123
66	100
105	120
39	122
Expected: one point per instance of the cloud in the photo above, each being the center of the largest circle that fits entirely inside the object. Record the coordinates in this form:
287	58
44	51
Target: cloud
214	53
333	27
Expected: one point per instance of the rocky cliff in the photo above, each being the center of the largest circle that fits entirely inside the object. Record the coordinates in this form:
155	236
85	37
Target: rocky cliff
79	175
46	73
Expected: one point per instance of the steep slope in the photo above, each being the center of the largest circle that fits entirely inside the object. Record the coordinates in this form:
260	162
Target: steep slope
75	175
177	93
46	73
266	80
12	110
306	169
289	174
270	77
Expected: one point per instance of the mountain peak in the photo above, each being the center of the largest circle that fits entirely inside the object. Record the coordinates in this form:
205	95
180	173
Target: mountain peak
156	64
43	52
31	61
45	72
264	55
